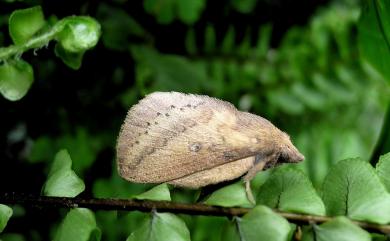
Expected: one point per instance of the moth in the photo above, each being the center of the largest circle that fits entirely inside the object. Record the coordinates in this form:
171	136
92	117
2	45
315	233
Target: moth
193	141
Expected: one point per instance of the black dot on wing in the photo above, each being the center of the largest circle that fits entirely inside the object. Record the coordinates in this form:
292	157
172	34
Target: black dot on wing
158	113
136	142
172	106
166	114
195	147
181	109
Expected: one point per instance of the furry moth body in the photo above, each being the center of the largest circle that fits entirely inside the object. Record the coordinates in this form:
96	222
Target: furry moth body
193	140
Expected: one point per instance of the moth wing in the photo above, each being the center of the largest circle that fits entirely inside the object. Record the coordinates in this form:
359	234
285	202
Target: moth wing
169	135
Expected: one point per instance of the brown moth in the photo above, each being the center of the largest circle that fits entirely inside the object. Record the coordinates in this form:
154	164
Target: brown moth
194	140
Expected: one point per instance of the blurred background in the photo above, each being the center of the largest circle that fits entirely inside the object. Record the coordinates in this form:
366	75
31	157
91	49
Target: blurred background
294	63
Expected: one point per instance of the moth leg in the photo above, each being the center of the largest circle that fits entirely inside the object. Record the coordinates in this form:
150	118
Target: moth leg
259	164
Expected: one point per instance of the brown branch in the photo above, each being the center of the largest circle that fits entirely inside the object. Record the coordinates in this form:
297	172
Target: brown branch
163	206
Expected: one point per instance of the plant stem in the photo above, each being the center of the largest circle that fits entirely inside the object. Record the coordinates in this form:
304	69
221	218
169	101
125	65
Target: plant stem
163	206
35	42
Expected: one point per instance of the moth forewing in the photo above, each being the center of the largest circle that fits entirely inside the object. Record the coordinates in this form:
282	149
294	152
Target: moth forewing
194	140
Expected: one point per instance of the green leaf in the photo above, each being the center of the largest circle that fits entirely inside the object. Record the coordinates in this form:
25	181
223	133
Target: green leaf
383	170
244	48
15	79
263	40
190	42
79	34
79	224
157	193
230	231
289	189
42	149
229	196
5	214
209	39
287	102
352	188
189	11
162	10
167	10
244	6
161	227
118	26
62	180
261	223
374	35
340	229
228	41
169	71
24	23
71	59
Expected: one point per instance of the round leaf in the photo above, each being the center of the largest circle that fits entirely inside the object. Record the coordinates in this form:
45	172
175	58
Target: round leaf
79	224
5	214
161	227
289	189
340	229
229	196
15	79
157	193
62	180
79	34
261	223
353	189
73	60
24	23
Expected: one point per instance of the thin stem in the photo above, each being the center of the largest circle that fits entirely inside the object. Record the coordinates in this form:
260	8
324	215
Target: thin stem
163	206
35	42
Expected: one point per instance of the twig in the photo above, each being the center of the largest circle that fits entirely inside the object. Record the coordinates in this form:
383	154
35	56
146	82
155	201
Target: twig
163	206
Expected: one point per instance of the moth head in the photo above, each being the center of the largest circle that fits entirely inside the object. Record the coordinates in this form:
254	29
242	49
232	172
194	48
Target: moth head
288	152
